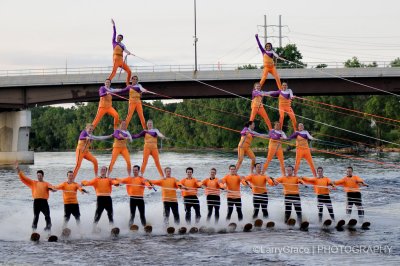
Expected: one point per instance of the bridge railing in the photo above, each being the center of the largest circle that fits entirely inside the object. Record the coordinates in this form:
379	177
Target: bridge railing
171	68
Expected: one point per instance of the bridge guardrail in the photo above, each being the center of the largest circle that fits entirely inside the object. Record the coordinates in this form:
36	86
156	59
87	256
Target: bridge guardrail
164	68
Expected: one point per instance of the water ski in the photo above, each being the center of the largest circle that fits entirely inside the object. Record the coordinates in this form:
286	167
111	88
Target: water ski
193	230
258	223
291	222
134	228
182	230
232	227
148	229
203	229
53	238
115	232
340	224
270	224
365	225
304	226
247	227
35	237
327	223
352	223
170	230
66	232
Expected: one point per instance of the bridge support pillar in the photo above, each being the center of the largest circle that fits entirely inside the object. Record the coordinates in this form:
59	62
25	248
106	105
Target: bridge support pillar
14	137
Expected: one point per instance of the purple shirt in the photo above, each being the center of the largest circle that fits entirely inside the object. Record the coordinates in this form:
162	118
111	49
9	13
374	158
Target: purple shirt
288	94
304	134
117	133
271	53
141	134
114	42
276	134
257	93
83	135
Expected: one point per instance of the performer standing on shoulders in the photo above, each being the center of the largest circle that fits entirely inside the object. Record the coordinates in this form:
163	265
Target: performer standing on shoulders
257	107
40	194
118	55
275	147
150	146
82	150
244	147
135	92
285	97
121	136
302	149
269	66
105	103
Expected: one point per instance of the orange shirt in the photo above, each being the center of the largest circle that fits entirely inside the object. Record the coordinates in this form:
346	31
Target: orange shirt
118	51
106	101
212	186
268	61
284	102
191	185
350	184
290	184
169	186
134	96
40	190
259	183
135	185
232	183
83	145
245	141
103	186
301	142
150	142
257	102
320	184
70	192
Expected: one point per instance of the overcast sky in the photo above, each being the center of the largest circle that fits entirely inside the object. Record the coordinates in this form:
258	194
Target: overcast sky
47	33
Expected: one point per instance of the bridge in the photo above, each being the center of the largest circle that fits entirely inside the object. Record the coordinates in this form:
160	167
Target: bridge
24	89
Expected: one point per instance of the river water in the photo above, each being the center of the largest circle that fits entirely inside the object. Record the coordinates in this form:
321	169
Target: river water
279	246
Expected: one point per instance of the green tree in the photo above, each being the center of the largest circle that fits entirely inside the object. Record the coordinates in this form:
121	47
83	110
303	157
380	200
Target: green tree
395	62
354	63
292	54
321	66
249	66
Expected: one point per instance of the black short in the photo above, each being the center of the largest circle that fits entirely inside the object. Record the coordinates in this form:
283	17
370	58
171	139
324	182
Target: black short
354	198
324	199
72	209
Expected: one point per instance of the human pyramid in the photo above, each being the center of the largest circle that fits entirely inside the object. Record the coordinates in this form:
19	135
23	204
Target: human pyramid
136	182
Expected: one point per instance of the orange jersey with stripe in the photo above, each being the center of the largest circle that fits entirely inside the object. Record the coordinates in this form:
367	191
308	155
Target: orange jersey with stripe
350	184
232	183
259	183
213	187
83	145
169	186
290	184
320	184
284	102
69	192
268	61
118	51
134	96
191	184
106	100
120	143
135	185
245	141
103	186
257	102
40	190
150	142
301	142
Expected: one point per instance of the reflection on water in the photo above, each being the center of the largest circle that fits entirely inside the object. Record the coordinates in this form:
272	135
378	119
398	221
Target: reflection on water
279	246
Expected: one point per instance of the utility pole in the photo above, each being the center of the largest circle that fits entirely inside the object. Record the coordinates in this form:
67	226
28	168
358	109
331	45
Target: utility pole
279	26
195	39
265	30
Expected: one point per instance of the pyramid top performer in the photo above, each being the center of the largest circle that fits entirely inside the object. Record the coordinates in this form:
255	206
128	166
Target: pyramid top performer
118	55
